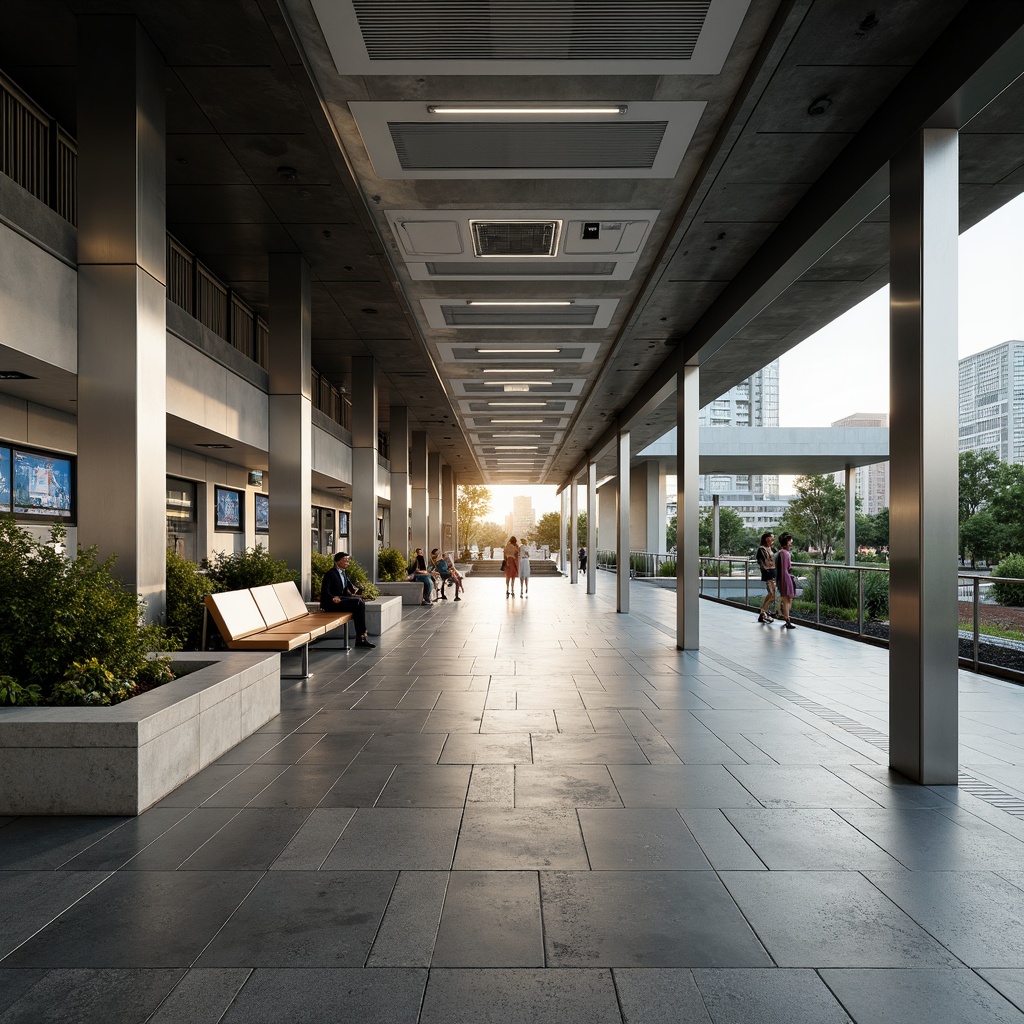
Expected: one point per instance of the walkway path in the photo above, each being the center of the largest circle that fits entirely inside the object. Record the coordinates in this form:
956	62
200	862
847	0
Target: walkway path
538	810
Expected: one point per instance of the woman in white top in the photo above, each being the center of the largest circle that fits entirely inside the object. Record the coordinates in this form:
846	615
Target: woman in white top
524	572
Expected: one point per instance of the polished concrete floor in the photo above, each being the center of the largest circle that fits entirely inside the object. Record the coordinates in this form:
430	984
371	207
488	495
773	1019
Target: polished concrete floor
538	810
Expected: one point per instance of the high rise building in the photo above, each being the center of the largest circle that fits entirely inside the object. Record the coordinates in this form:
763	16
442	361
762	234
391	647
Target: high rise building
754	403
871	483
991	405
523	518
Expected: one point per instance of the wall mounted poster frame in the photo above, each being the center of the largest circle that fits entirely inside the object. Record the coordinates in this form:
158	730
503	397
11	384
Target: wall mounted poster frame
227	511
263	513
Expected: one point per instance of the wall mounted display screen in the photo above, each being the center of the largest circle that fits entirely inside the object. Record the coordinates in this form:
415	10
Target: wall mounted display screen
342	524
42	485
228	511
5	479
263	513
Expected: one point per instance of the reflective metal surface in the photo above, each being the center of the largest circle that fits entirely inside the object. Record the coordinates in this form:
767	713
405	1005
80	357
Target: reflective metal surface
398	420
420	536
622	522
591	526
574	512
687	508
363	527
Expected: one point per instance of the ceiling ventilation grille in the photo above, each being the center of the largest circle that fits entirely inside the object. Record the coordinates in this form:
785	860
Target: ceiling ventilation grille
580	269
475	316
480	145
583	30
515	238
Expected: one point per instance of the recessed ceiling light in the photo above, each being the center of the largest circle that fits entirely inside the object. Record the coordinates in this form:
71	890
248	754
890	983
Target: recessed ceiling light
516	421
516	447
15	375
518	351
516	435
202	445
518	385
619	108
519	302
524	369
509	405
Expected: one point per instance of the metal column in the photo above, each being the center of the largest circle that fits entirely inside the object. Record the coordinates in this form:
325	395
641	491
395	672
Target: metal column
591	526
687	509
574	514
716	525
122	302
363	527
851	515
563	540
449	524
420	528
622	522
923	456
291	413
434	532
398	429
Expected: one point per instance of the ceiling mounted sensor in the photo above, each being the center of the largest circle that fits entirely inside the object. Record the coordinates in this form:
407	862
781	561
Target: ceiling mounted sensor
533	37
536	245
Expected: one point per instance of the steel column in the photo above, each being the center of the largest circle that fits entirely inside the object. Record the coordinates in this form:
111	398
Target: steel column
365	422
622	522
398	429
923	456
851	516
688	509
434	532
574	513
420	528
591	526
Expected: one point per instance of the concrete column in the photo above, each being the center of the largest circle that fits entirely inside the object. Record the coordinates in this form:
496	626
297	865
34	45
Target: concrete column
449	525
420	526
564	547
362	536
434	523
291	430
574	513
122	302
608	499
851	515
688	508
622	523
716	525
647	503
923	455
398	427
591	526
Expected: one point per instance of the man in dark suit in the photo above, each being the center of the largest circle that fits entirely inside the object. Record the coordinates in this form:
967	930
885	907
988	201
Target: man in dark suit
339	593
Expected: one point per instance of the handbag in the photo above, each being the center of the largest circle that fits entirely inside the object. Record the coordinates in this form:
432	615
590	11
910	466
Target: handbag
503	564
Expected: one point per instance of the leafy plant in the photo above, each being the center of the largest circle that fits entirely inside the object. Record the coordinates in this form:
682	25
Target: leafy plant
253	567
838	588
186	588
89	683
155	672
12	692
357	574
876	595
391	565
667	569
1009	593
320	566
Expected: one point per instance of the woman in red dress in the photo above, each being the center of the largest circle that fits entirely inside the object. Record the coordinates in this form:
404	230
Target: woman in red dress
785	582
511	556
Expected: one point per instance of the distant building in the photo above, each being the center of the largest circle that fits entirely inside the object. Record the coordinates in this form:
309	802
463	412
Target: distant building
758	511
871	483
991	402
754	403
523	518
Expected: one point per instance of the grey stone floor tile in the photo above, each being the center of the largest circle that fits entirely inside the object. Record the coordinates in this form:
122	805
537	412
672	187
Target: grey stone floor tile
119	846
291	748
831	919
299	785
179	842
574	722
659	995
397	838
978	916
772	996
640	839
705	748
771	723
518	721
315	839
92	997
201	997
251	841
253	748
426	785
401	748
241	789
30	900
360	786
919	997
492	784
807	749
313	996
501	839
601	748
338	748
716	835
490	919
585	785
808	840
644	919
419	700
14	983
799	786
139	919
928	840
407	934
517	996
686	785
497	748
43	844
453	721
1008	983
304	919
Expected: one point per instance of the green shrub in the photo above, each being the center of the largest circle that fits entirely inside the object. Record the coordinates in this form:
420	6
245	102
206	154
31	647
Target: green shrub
323	564
186	588
56	610
1010	593
320	566
153	673
391	565
667	569
12	692
253	567
876	595
89	683
357	574
838	588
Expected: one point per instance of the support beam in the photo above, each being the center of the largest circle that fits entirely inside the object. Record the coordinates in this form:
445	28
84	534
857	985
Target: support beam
574	512
591	527
420	528
564	547
398	429
923	672
362	531
688	509
434	524
622	523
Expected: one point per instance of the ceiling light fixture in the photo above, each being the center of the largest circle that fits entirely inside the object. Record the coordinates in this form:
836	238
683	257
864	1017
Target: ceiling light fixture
518	351
515	387
509	405
521	369
517	421
519	302
516	447
619	108
515	435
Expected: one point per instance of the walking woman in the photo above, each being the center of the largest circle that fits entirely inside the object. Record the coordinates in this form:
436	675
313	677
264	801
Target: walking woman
524	572
786	583
511	559
766	561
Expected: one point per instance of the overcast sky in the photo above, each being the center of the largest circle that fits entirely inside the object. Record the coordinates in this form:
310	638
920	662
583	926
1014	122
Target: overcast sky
844	367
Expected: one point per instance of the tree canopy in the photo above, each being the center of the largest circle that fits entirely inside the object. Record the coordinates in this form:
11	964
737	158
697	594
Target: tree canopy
549	531
731	532
473	502
817	514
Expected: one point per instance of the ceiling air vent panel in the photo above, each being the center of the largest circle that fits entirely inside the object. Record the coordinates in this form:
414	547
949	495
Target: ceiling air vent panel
515	238
579	269
463	313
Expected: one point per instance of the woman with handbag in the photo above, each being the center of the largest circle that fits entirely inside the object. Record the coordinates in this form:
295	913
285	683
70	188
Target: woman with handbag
785	582
510	562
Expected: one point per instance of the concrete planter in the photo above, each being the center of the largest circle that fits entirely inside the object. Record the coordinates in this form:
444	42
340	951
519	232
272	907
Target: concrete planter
381	615
122	759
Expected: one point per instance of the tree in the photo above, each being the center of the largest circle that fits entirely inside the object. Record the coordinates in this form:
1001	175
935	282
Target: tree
980	474
873	531
491	535
549	531
670	534
1007	506
473	503
982	536
818	512
581	530
731	532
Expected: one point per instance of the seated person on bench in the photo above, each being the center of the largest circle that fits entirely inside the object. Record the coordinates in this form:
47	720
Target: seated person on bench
339	593
442	570
419	572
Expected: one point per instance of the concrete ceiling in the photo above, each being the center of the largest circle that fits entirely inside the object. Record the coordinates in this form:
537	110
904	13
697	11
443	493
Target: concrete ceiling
740	195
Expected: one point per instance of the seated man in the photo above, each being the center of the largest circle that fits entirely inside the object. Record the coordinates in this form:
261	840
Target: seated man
339	594
441	572
419	572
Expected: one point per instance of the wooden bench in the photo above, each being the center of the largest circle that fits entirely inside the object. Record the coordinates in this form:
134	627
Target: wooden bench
270	618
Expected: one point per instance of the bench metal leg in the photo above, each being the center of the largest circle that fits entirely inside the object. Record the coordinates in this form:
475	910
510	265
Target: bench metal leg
305	665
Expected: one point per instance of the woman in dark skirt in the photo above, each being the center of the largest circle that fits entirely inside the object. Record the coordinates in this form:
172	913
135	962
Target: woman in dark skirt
766	561
786	583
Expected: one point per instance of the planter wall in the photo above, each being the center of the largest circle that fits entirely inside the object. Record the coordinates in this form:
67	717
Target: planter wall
122	759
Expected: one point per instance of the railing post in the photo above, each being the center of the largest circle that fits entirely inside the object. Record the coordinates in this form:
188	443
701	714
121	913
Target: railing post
817	595
746	583
718	571
860	602
977	588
